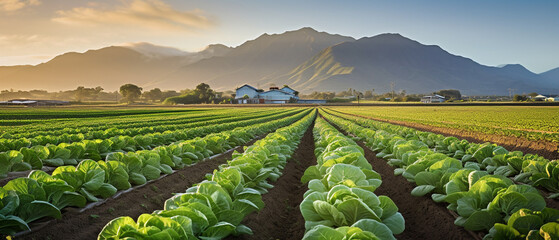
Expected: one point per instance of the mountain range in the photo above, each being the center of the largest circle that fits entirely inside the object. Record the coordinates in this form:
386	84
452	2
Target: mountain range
304	59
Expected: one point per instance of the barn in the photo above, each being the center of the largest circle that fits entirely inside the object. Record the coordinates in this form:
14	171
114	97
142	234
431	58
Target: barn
247	94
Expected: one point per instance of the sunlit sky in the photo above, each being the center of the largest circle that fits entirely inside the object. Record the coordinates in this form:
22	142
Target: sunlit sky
490	32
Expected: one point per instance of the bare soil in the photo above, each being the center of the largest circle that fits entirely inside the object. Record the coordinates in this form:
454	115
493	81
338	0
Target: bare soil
146	199
281	217
425	219
546	149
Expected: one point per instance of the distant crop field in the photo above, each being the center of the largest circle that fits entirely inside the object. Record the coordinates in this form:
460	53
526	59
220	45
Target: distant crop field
530	122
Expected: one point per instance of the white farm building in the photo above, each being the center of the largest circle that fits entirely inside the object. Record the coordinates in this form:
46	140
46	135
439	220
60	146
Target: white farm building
433	99
247	94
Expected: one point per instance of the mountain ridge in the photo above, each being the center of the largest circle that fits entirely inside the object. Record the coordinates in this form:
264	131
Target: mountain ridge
306	59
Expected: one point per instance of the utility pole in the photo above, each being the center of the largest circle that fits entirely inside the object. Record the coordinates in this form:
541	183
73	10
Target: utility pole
392	90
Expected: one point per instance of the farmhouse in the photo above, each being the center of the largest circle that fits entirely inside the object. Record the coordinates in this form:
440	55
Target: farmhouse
432	99
540	98
247	94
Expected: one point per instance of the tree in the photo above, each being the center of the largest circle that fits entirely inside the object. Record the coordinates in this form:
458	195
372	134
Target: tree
403	93
168	94
204	92
320	95
154	95
368	94
533	94
81	93
519	98
96	91
130	92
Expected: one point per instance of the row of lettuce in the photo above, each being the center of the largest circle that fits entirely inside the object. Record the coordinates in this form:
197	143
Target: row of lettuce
87	125
161	132
215	208
341	203
131	119
72	153
137	126
467	176
24	200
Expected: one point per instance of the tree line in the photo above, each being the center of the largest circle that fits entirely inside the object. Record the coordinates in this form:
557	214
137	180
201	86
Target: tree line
394	96
127	93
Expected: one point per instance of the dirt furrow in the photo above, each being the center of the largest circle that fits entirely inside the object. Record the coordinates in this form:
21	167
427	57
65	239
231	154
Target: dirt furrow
281	217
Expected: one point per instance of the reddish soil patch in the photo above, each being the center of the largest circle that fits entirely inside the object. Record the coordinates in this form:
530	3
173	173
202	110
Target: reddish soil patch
281	217
542	148
425	219
146	199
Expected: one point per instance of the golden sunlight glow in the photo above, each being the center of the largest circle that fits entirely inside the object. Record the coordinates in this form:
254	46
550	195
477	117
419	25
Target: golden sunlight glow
154	14
14	5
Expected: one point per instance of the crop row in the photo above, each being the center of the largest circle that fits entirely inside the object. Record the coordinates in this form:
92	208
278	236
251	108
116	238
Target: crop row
83	125
341	193
93	128
42	140
215	208
62	118
483	199
532	123
24	200
72	153
526	168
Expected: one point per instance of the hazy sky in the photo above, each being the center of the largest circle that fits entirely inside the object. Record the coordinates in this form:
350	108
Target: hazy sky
490	32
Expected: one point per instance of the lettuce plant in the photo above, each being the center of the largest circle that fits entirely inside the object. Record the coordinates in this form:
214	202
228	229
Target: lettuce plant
341	193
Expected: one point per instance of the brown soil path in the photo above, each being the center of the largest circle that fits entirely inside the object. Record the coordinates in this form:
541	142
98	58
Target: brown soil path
281	217
546	149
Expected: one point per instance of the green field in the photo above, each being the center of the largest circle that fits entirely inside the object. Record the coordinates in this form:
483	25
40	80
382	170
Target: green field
203	173
530	122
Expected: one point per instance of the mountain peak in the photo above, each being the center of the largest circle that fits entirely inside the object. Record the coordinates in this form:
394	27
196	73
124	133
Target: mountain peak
153	50
514	65
215	50
306	30
517	68
216	47
389	38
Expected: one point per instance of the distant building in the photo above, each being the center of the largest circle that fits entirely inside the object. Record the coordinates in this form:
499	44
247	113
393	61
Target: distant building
29	102
540	98
247	94
552	99
433	99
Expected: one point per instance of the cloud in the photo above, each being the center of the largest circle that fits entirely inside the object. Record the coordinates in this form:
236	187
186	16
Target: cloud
14	5
11	40
154	14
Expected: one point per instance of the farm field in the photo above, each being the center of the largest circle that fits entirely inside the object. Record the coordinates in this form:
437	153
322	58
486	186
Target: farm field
526	127
266	173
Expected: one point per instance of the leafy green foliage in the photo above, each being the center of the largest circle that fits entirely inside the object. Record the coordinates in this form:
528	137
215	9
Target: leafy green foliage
214	208
460	173
341	193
